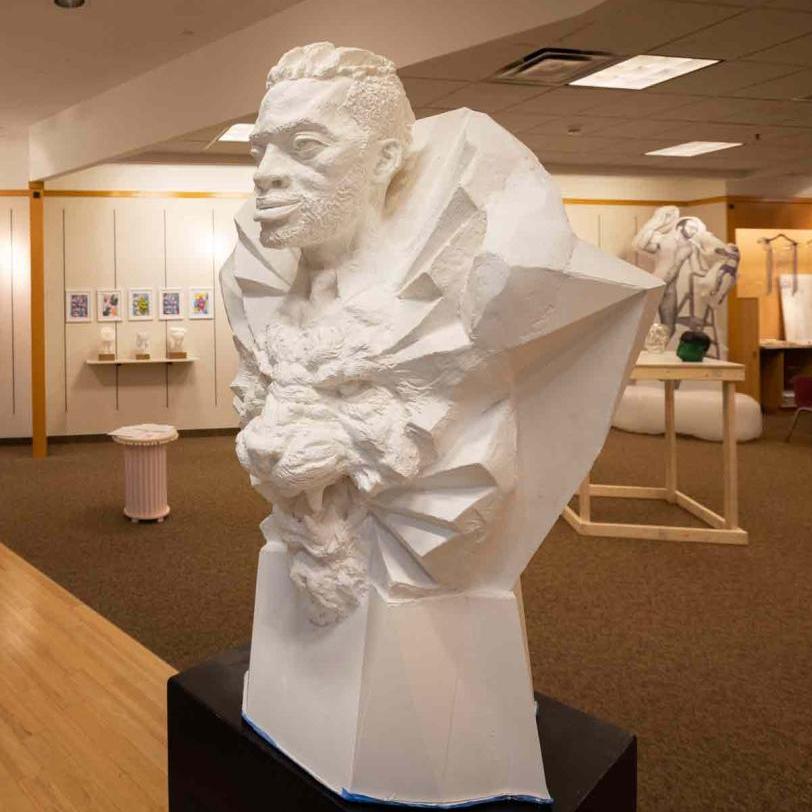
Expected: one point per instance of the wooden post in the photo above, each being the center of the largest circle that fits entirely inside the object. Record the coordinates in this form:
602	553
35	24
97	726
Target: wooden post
39	431
670	444
585	501
729	450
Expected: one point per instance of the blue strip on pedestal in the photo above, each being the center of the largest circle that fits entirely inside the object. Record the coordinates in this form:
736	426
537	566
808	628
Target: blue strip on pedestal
367	799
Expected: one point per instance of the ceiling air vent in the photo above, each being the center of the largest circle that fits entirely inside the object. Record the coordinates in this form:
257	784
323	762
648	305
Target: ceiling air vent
552	66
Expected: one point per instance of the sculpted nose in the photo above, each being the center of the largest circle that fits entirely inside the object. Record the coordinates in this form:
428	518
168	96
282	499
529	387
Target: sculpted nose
271	174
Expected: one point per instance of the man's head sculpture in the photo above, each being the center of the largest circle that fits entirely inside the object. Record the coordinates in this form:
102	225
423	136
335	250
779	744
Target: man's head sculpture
332	130
429	361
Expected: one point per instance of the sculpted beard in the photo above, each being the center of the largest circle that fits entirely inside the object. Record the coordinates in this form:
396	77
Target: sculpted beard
320	216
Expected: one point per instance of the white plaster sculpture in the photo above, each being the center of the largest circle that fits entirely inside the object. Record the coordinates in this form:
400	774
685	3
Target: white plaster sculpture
177	335
429	361
698	270
657	338
141	344
108	341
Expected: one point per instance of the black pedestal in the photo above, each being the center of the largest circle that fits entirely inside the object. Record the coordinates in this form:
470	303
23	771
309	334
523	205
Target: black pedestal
218	764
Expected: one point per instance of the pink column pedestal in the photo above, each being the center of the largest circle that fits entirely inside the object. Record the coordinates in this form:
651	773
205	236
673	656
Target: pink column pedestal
145	470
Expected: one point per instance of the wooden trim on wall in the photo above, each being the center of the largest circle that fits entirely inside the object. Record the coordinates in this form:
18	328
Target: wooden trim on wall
142	193
586	201
14	192
569	201
38	404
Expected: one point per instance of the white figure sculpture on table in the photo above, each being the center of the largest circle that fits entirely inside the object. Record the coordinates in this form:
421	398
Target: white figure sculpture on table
108	341
698	270
177	335
142	343
429	361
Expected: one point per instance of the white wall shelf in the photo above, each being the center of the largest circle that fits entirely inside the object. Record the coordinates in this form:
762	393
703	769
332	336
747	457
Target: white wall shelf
134	361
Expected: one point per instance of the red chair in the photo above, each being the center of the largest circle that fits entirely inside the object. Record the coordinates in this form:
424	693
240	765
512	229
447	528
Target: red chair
803	399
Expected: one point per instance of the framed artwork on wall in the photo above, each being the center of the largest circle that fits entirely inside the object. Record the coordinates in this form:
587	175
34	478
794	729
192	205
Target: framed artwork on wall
109	304
170	304
77	305
201	303
141	306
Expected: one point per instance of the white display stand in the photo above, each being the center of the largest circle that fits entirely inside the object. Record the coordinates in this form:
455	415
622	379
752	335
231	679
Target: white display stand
145	496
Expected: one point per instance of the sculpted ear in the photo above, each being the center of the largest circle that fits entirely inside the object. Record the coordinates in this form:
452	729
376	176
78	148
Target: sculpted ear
390	157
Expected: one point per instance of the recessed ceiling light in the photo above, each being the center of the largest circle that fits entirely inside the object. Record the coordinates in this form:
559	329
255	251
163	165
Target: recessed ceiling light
69	3
643	71
237	132
691	148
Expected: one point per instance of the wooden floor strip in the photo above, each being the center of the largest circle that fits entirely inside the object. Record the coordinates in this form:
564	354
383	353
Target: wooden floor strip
82	704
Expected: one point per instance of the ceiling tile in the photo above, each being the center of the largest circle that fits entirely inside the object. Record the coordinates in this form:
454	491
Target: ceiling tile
641	104
488	97
635	128
708	131
738	3
743	34
518	122
725	78
795	52
597	146
787	87
422	92
563	125
795	5
470	64
733	111
564	101
643	26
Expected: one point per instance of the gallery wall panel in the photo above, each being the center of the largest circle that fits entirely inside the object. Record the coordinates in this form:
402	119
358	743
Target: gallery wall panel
124	243
15	324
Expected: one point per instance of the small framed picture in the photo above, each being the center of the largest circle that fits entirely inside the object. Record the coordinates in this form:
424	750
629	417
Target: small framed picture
170	304
77	305
140	306
109	305
201	303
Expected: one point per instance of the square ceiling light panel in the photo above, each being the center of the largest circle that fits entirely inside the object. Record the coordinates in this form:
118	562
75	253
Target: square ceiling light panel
692	148
237	132
643	71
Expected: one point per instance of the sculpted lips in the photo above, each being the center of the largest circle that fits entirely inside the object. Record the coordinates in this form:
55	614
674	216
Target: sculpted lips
273	209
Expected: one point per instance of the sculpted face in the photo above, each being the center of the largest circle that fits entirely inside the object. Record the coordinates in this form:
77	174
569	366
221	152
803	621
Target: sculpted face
315	164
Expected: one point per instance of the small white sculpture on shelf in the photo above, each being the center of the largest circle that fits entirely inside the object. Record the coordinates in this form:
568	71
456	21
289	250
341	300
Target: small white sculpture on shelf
429	360
177	335
107	349
142	346
657	338
698	270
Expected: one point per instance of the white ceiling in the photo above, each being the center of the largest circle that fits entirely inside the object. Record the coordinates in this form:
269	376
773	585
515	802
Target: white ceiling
766	45
51	58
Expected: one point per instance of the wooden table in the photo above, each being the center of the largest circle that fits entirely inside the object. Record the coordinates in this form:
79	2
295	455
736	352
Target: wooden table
721	529
780	361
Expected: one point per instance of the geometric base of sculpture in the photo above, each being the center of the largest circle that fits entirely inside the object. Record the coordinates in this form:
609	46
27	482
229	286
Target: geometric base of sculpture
429	701
217	763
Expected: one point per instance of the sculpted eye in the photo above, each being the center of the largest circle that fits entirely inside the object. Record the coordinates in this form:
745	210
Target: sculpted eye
306	146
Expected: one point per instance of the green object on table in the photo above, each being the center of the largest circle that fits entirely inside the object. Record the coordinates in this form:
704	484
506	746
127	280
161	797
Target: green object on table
692	346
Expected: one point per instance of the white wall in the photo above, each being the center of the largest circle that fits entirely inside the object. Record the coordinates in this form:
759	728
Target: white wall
14	160
15	326
160	240
124	243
